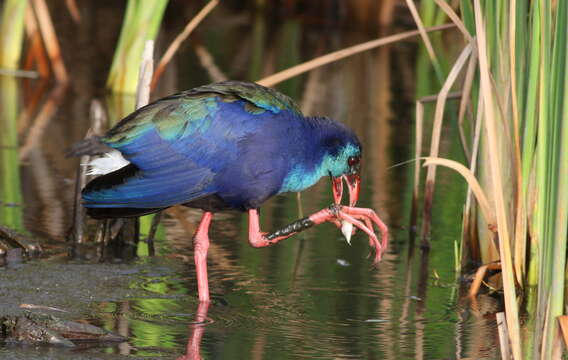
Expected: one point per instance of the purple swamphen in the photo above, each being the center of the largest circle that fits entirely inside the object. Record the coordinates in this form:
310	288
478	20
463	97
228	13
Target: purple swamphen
229	145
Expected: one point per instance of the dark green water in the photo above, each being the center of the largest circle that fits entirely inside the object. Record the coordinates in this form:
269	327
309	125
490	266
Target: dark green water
311	296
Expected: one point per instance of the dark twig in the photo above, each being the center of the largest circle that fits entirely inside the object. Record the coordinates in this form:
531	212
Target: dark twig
97	120
18	240
152	233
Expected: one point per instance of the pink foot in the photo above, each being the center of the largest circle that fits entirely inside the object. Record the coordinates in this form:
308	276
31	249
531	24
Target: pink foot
362	218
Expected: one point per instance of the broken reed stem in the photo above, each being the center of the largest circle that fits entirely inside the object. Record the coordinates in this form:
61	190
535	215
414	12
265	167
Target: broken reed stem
417	152
343	53
503	336
97	120
174	46
78	231
42	120
142	99
465	100
563	323
35	48
500	207
435	143
425	39
477	280
50	40
73	10
206	60
145	75
492	253
455	18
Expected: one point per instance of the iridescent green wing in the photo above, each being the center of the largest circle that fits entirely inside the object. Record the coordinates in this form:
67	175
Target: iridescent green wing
183	114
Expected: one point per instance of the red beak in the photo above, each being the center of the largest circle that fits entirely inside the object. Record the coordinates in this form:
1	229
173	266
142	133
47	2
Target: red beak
353	185
337	188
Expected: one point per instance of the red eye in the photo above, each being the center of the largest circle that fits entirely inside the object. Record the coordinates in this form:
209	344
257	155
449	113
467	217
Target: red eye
353	160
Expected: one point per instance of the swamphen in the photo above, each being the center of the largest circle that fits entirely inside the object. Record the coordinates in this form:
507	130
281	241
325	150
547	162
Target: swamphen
229	145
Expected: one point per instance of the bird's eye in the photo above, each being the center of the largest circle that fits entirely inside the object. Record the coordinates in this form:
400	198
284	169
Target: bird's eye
353	160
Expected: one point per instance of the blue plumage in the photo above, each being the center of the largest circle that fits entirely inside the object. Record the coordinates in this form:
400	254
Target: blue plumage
220	146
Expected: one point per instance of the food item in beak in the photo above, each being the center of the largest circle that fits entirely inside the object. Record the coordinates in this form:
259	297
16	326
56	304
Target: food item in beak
347	230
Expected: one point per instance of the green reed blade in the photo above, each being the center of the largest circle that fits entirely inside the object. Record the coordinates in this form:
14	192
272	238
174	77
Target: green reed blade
12	33
141	22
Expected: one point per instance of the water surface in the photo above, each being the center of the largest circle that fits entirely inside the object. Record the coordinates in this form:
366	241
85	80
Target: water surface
312	296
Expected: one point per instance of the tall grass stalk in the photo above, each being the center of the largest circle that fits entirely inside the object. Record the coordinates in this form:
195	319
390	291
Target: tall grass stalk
141	22
10	189
12	33
522	163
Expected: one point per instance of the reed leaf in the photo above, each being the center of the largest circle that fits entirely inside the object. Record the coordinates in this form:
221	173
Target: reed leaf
141	22
424	35
343	53
480	196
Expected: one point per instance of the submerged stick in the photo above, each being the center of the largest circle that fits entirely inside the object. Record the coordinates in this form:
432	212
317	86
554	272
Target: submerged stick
18	240
152	233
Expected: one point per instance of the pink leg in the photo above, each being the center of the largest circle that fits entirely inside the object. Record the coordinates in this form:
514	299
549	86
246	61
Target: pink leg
200	247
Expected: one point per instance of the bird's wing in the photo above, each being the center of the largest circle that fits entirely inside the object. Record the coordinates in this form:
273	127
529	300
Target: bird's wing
191	112
261	98
178	144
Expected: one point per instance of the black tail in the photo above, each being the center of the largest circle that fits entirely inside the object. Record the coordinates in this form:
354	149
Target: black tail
89	146
113	213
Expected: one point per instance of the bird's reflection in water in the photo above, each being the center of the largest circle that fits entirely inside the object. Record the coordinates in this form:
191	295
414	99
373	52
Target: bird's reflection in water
197	328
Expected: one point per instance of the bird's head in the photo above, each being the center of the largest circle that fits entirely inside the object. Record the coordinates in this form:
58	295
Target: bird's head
344	163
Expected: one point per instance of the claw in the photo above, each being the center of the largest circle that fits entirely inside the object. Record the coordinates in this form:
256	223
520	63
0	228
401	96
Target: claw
349	218
365	219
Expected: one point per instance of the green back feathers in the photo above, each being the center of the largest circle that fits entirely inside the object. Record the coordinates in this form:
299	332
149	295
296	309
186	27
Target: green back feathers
257	95
192	110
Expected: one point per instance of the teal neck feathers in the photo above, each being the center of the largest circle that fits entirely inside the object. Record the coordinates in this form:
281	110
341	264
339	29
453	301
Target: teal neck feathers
301	177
